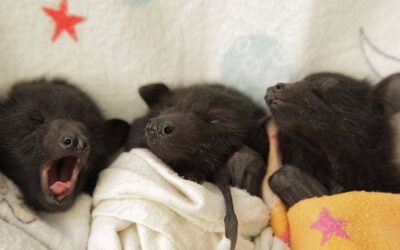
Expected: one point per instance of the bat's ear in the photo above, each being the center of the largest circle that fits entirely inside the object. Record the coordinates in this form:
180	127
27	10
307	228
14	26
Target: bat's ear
153	93
386	94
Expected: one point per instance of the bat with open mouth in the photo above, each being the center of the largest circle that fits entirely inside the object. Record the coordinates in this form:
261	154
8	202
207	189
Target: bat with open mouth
54	141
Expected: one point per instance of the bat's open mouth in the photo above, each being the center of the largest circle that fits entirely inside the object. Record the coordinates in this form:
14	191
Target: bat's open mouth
59	176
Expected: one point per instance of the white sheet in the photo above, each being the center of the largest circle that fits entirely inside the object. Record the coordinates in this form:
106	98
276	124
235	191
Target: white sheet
247	44
22	228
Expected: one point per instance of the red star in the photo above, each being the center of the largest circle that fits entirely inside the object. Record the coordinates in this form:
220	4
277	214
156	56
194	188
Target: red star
330	226
64	22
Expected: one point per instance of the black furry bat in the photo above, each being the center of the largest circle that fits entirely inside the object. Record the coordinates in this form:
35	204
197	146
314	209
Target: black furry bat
54	141
335	135
197	130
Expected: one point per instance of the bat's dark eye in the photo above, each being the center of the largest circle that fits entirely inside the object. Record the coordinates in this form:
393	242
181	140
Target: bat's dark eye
214	121
37	119
317	93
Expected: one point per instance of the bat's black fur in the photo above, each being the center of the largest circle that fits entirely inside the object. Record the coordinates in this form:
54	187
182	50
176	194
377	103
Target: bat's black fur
42	122
336	131
197	129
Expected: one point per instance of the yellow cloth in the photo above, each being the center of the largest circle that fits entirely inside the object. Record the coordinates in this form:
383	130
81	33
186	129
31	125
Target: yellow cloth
353	220
279	221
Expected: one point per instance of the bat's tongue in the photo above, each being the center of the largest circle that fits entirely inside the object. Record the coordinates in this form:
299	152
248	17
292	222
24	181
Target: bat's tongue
59	187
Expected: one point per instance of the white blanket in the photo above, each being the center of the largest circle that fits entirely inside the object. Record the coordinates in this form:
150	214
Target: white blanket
22	228
140	203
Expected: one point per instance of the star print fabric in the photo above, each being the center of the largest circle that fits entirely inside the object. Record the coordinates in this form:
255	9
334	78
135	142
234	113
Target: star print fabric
329	226
63	20
353	220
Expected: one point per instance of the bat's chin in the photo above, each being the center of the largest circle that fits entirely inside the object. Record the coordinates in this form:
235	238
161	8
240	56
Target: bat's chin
166	150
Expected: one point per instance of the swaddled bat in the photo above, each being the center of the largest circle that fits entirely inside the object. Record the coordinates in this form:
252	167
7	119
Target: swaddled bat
197	130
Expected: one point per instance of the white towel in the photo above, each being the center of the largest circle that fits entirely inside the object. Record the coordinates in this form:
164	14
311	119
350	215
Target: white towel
140	203
22	228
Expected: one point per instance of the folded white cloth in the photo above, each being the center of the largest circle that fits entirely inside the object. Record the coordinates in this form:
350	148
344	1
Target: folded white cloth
22	228
140	203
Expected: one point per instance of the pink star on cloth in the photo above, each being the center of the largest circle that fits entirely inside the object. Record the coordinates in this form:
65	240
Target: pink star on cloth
329	226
